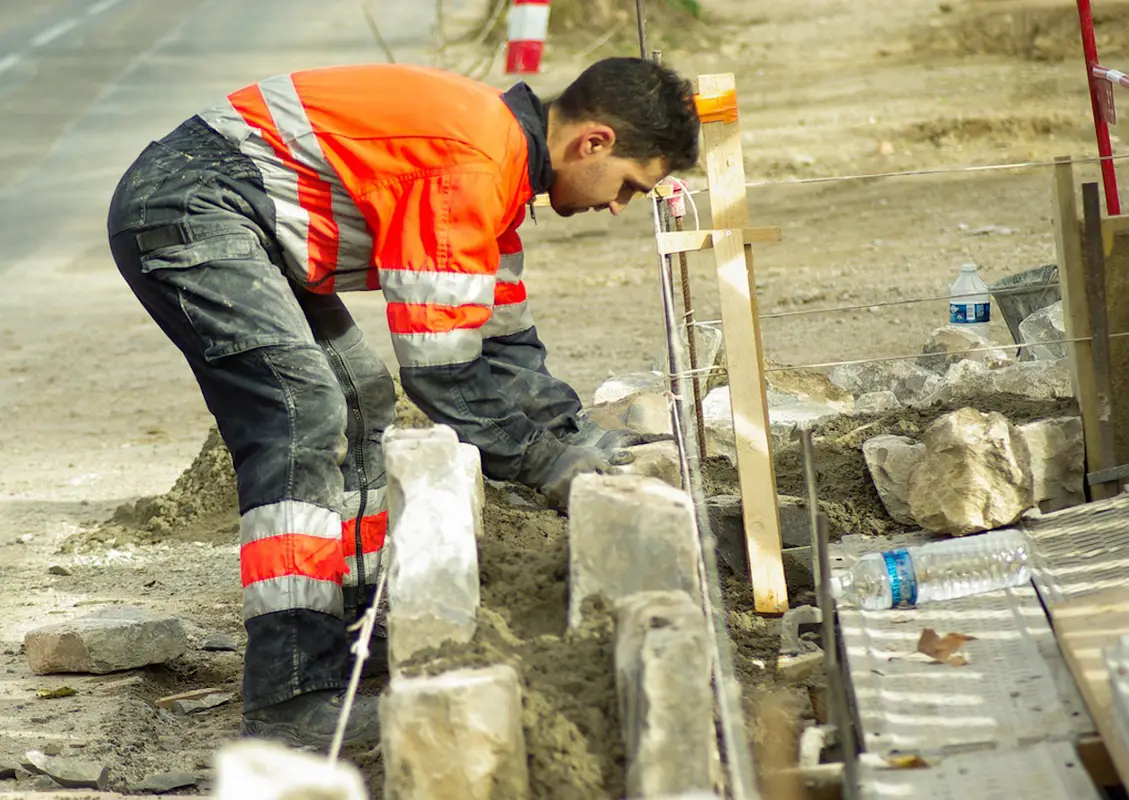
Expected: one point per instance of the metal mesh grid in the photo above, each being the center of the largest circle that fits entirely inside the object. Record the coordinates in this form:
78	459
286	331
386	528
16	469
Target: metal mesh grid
1049	770
1007	695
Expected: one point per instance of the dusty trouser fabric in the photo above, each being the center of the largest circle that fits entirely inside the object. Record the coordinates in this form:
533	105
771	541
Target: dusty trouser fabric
300	400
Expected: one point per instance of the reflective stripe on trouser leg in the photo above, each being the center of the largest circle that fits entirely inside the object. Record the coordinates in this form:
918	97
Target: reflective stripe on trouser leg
373	529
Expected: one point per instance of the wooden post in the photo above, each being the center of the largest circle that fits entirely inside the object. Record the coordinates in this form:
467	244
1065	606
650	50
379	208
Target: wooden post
1076	315
743	350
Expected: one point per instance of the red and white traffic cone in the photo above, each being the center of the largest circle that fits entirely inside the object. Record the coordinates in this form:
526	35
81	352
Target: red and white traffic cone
528	27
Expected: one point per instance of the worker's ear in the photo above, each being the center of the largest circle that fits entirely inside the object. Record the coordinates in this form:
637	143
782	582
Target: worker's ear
595	139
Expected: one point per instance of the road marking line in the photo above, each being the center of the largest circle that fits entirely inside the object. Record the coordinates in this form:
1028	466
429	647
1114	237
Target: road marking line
99	7
7	62
54	32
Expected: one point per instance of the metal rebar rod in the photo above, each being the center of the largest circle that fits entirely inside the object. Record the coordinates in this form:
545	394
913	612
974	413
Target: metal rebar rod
692	346
641	19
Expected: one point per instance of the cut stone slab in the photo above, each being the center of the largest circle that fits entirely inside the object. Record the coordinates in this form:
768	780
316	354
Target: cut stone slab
264	770
1039	380
1058	461
71	773
457	734
1045	325
974	475
165	782
877	403
890	460
785	412
628	534
434	521
908	381
220	642
623	386
662	669
655	460
947	346
111	639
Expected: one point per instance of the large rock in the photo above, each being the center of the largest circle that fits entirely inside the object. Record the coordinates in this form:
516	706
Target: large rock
644	412
72	773
949	345
877	402
624	386
663	680
628	534
1038	380
908	381
108	640
655	460
785	412
974	475
1045	325
457	734
891	459
1058	461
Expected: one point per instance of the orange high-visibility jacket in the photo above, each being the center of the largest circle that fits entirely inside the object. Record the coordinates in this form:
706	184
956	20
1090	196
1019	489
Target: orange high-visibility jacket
373	189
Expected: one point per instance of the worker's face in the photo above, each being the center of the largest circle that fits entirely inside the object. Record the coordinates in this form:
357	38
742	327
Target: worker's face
592	177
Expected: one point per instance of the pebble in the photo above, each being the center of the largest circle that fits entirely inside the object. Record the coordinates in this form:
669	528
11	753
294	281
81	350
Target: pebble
220	642
59	569
165	782
52	749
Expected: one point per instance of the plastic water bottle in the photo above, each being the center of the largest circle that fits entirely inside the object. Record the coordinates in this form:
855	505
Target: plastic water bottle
935	571
970	301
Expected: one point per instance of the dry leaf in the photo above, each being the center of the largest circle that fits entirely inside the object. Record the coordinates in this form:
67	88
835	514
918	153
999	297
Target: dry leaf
906	761
52	694
944	648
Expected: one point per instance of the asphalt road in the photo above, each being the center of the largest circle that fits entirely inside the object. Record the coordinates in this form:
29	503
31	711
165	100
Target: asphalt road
85	84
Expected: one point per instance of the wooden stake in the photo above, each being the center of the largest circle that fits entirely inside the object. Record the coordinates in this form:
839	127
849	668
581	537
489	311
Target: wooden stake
1076	315
743	352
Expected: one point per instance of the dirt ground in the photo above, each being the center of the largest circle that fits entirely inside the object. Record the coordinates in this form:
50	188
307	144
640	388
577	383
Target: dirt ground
827	87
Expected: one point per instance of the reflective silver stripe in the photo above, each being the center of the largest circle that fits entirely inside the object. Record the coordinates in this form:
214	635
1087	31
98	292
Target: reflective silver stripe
354	238
507	320
291	592
292	222
437	349
437	288
375	502
511	267
289	516
373	563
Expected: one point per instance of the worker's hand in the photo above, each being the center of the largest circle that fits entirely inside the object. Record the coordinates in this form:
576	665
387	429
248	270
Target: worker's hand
572	462
619	439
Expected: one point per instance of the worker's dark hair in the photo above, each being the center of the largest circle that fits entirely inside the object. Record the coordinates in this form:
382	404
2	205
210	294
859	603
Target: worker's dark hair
650	108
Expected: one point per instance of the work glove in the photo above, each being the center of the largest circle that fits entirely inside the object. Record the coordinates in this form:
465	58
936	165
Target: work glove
550	466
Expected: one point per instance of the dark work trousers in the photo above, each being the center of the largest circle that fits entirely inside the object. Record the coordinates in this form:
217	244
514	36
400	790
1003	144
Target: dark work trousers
300	400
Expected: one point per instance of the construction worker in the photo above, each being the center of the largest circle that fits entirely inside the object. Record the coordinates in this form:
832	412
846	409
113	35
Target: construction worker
238	231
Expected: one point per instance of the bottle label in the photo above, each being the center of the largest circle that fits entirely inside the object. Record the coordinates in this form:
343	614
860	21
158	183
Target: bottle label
903	581
961	313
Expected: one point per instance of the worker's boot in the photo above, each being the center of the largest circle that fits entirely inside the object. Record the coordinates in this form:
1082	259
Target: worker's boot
309	721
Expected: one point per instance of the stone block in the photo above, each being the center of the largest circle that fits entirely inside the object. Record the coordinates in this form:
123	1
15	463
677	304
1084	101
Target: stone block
628	534
624	386
974	475
434	519
469	461
907	380
663	674
1058	461
457	734
877	403
645	412
890	460
1045	325
655	460
108	640
947	346
270	771
1039	380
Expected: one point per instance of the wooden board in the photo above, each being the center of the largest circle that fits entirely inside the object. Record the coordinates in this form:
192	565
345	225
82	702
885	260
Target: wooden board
1115	238
674	242
744	353
1076	316
1084	627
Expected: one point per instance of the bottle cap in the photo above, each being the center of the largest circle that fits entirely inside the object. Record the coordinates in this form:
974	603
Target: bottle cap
836	587
969	267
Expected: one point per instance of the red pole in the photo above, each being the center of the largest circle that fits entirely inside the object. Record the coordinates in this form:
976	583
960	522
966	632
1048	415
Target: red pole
1101	127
